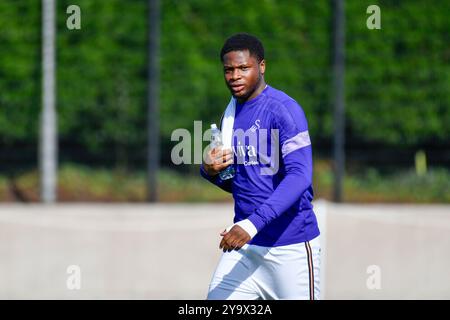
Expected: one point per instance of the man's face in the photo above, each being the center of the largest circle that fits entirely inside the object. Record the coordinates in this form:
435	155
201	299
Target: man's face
242	73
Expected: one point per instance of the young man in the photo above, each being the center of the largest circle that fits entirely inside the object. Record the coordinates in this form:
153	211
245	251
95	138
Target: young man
272	250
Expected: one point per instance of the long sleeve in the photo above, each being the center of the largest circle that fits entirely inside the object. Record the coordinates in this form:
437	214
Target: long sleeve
225	185
296	152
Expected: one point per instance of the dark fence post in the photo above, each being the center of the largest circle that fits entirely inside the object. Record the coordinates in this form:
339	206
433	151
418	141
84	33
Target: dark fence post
153	95
339	96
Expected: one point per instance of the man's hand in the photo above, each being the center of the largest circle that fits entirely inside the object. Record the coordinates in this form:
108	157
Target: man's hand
234	239
217	160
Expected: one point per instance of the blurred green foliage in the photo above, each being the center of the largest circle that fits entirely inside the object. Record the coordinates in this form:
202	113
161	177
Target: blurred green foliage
397	78
19	71
83	183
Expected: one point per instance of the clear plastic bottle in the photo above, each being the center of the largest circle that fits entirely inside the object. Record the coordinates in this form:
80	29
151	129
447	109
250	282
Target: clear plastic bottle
216	142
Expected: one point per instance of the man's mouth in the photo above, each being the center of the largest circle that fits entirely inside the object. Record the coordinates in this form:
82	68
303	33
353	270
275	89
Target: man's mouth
237	88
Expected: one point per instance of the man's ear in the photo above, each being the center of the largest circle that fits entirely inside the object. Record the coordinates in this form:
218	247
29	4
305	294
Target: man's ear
262	66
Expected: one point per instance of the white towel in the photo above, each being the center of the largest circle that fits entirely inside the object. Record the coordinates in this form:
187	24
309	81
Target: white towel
228	123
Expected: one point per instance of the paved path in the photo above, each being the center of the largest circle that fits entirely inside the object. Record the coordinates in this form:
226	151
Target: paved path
170	251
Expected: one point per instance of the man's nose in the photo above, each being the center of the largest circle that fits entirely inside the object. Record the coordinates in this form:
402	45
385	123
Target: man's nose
235	74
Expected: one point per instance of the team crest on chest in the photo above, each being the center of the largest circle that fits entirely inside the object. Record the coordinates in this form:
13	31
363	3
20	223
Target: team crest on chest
256	126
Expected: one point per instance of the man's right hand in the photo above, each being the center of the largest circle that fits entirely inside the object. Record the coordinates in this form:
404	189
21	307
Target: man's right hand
217	160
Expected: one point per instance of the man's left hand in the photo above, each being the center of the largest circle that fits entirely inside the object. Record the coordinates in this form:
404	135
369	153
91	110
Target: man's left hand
234	239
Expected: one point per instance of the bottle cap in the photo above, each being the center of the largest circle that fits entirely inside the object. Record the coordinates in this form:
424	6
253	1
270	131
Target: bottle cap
213	126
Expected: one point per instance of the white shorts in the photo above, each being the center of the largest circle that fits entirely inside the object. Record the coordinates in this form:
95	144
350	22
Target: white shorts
256	272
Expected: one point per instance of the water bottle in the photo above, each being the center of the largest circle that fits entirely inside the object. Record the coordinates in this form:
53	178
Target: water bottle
216	142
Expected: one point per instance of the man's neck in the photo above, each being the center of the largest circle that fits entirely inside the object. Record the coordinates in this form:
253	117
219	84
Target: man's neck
261	86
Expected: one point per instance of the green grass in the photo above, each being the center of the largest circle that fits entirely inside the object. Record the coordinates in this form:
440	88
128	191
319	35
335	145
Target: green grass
3	186
372	186
81	183
120	185
404	186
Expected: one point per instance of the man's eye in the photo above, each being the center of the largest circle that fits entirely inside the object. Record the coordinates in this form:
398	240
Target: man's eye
244	68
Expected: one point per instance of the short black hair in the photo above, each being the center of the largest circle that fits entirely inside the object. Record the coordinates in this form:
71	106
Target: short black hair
243	41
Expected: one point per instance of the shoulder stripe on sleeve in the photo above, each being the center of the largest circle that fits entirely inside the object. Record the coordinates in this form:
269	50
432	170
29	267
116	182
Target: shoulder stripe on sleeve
296	142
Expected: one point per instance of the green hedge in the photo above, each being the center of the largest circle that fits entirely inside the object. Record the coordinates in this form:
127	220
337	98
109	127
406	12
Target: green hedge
397	78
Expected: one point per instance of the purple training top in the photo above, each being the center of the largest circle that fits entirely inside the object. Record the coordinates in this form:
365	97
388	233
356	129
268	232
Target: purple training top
273	162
